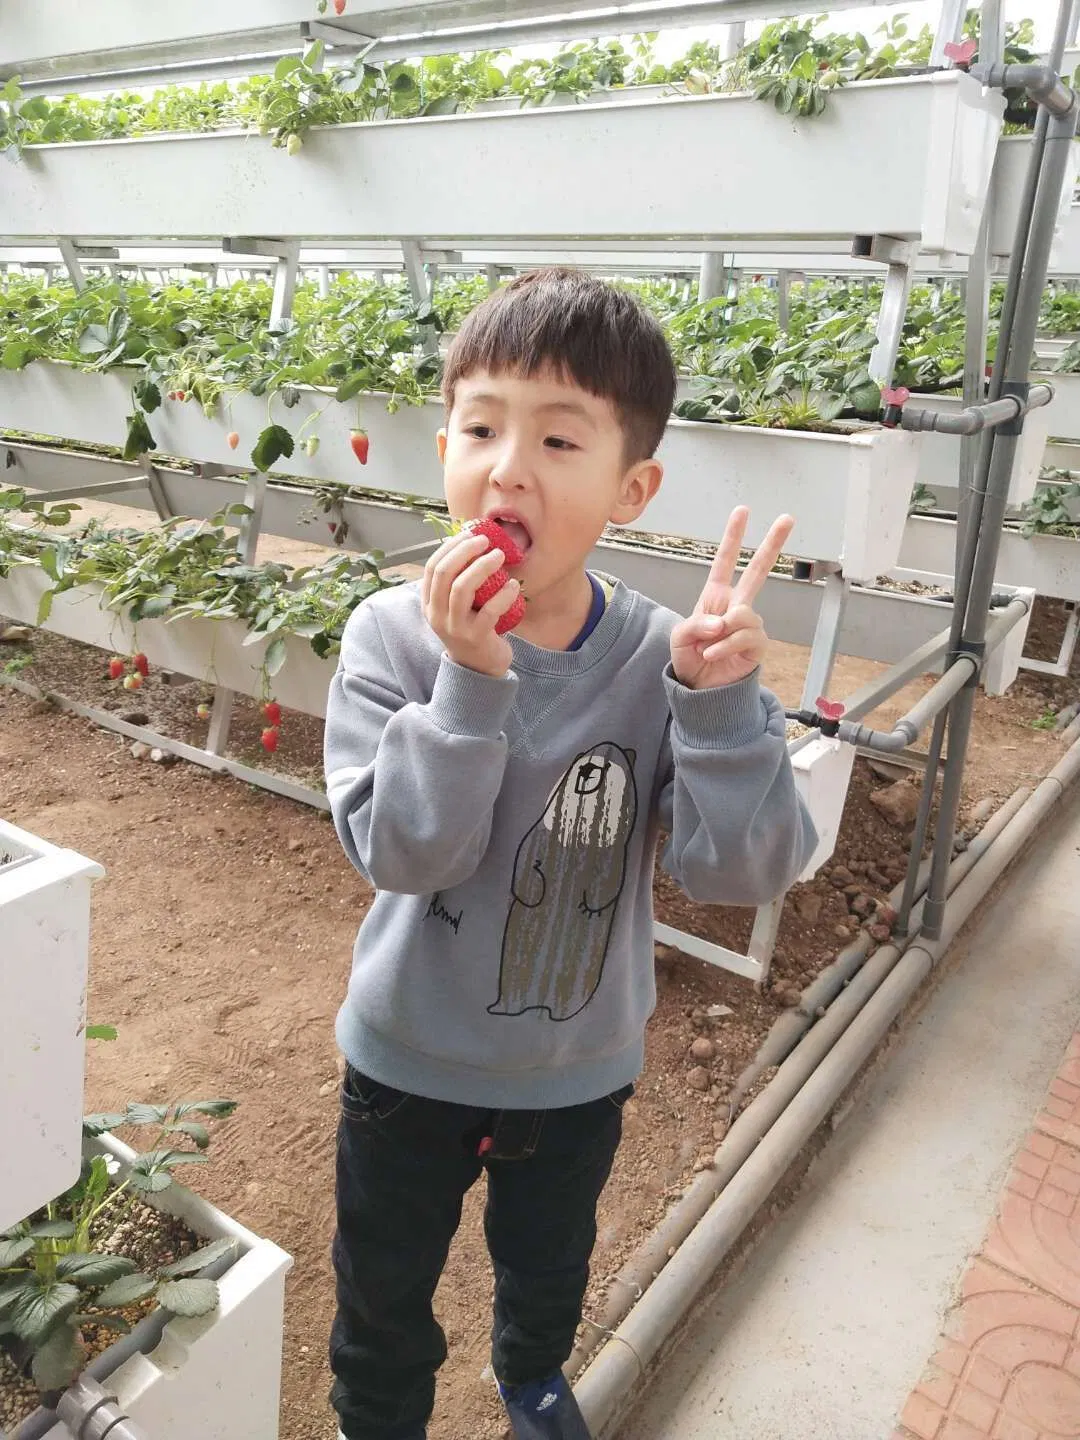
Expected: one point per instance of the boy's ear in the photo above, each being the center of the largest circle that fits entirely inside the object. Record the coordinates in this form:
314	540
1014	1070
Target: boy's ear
639	485
440	445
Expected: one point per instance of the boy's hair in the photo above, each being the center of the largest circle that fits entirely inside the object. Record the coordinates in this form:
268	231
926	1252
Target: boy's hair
600	338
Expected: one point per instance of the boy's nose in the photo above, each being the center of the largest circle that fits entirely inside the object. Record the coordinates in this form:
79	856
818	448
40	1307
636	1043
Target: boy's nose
510	471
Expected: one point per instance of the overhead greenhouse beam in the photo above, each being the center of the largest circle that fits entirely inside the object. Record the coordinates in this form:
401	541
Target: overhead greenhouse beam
201	40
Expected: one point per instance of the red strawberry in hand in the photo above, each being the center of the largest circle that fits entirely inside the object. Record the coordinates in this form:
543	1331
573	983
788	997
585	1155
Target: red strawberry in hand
272	712
360	443
498	539
512	618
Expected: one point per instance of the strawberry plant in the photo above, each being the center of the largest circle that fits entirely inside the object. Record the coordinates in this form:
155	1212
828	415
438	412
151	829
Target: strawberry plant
1049	511
59	1269
191	568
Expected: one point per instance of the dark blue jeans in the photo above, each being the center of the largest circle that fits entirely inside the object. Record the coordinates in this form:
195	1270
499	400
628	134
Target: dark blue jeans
404	1165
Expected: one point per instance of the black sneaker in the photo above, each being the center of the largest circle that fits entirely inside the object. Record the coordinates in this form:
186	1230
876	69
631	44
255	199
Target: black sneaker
546	1410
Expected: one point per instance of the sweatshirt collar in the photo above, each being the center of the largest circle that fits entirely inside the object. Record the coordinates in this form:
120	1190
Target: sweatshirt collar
534	660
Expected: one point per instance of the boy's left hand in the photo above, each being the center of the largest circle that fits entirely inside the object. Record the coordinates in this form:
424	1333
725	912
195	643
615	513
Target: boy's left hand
724	640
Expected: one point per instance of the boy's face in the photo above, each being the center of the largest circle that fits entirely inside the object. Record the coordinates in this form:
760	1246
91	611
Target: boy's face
546	458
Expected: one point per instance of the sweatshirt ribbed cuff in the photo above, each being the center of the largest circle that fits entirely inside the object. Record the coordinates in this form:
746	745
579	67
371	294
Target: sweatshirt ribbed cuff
465	702
722	718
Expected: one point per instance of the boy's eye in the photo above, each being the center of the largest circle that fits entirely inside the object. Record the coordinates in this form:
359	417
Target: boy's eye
558	443
480	432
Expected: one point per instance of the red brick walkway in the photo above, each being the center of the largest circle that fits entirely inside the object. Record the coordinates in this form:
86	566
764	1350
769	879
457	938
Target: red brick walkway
1008	1365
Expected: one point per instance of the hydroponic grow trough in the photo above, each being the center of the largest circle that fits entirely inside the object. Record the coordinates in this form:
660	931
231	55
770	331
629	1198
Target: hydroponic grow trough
849	493
208	650
45	923
1063	412
217	1377
938	131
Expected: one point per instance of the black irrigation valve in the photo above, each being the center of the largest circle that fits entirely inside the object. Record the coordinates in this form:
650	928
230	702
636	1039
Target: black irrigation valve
893	402
826	717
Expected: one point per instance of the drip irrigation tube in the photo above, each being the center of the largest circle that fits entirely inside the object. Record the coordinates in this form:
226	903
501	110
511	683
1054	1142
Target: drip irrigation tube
819	1003
815	1076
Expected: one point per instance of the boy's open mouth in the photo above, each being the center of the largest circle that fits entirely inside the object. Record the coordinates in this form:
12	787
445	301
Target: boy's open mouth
515	527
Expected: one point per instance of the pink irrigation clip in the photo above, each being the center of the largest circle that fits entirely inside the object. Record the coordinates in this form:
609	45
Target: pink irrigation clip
892	403
961	52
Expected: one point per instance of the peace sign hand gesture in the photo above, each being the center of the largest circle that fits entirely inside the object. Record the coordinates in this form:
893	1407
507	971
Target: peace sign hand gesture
724	640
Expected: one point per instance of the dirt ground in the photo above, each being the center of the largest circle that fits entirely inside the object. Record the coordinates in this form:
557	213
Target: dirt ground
221	942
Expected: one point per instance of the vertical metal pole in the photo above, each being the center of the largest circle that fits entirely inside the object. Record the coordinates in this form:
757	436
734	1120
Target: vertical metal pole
247	543
711	276
285	282
763	936
949	29
491	274
826	639
783	296
732	39
324	281
890	325
1011	371
421	286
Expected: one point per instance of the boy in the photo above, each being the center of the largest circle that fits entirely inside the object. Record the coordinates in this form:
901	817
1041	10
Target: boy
504	794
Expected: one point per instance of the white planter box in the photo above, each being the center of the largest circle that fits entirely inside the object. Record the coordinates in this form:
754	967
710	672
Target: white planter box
218	1377
1048	564
404	176
45	922
849	494
1013	155
210	650
1063	412
59	399
939	462
822	774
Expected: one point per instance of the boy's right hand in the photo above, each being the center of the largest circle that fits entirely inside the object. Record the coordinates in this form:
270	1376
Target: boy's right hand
451	579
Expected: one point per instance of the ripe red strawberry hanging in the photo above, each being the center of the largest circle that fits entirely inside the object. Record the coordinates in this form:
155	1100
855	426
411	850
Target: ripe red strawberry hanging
360	443
272	712
116	668
269	738
141	664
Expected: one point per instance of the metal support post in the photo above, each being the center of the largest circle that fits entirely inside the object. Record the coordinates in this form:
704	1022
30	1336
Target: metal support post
247	542
1063	664
711	277
421	280
826	634
950	27
1048	165
287	255
732	39
73	255
491	274
763	937
324	281
898	256
156	488
783	295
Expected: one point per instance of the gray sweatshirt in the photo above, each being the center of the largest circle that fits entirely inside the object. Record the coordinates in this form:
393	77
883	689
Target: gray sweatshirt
509	827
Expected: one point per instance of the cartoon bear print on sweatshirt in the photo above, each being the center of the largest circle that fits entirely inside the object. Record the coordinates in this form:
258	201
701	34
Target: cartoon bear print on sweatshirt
568	875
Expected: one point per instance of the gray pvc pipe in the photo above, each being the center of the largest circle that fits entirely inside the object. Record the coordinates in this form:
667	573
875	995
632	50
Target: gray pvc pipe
90	1414
846	983
1041	82
941	693
608	1384
976	418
